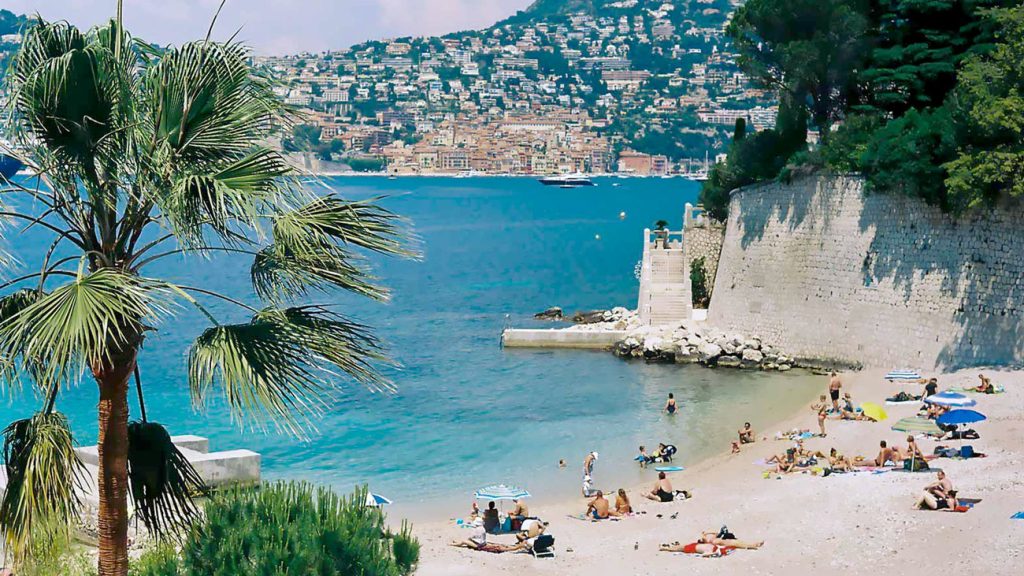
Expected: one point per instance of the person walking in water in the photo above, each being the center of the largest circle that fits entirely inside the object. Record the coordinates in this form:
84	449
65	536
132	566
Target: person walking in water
588	464
670	405
834	384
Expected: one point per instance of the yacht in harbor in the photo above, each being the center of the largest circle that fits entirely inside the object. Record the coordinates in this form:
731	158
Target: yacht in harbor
567	181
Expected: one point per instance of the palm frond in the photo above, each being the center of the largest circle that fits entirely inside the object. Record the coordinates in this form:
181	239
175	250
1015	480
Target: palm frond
278	366
162	480
43	473
232	195
10	306
315	247
83	323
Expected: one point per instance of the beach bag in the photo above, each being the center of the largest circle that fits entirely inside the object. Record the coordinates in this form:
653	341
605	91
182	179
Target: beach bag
915	464
543	543
967	451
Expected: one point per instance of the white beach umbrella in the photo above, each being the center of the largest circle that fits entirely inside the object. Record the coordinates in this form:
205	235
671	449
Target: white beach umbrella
950	399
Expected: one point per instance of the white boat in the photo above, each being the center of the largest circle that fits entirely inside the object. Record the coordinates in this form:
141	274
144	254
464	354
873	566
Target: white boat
567	181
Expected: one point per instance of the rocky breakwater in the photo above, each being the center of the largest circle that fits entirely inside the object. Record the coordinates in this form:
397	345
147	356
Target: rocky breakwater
692	343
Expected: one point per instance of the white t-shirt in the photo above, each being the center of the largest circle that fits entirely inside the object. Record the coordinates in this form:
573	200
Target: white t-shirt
479	535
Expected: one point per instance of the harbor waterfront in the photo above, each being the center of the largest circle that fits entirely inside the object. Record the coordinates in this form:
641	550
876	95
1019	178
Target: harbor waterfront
468	413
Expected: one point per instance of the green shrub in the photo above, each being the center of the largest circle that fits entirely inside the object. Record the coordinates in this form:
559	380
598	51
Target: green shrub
160	560
699	286
844	151
294	528
906	156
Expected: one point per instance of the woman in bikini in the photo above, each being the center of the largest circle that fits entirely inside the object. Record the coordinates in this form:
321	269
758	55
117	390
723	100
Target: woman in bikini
622	505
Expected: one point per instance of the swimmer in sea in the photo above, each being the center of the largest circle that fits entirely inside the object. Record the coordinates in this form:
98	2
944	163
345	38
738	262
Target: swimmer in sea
670	406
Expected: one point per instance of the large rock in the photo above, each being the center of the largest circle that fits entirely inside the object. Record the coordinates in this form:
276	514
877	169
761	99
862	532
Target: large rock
553	313
751	356
709	351
589	317
729	348
729	361
686	355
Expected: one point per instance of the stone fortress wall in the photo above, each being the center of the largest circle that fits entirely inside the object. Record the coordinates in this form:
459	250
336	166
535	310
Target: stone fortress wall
703	239
825	272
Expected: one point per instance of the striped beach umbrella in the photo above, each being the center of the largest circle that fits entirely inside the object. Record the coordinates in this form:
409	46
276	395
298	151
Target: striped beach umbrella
950	399
903	375
917	425
501	492
376	500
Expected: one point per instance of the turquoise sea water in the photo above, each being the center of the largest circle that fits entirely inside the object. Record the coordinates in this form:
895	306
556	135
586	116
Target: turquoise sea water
468	413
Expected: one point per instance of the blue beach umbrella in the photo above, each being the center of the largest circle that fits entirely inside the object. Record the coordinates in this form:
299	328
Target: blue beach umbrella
376	500
501	492
957	417
950	399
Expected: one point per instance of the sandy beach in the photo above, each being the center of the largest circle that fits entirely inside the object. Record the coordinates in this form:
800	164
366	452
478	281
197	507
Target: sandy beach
859	523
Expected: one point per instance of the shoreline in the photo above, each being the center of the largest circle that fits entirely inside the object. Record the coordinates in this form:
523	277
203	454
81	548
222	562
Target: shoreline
860	518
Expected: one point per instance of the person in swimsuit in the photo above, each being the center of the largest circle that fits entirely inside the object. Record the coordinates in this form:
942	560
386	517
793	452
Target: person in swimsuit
931	387
886	454
622	505
711	537
838	462
598	509
477	537
985	387
588	464
834	384
699	548
670	405
662	491
746	434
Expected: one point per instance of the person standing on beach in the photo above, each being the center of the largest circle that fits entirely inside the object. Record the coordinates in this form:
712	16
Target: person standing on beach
931	388
670	405
834	384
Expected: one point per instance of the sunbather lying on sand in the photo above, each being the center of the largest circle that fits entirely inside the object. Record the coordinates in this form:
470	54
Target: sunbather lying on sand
477	536
701	549
713	537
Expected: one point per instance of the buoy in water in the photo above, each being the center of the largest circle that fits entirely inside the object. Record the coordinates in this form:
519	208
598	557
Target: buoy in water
597	236
622	215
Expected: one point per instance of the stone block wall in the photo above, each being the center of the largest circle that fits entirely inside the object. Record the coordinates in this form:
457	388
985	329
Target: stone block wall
823	271
704	241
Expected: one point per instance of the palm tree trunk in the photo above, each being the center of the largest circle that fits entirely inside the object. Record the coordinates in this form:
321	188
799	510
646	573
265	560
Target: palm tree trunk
112	523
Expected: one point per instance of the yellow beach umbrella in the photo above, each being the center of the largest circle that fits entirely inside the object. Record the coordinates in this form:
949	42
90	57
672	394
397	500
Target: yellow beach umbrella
873	411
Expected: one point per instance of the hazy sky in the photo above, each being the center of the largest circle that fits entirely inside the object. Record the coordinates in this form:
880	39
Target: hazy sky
281	26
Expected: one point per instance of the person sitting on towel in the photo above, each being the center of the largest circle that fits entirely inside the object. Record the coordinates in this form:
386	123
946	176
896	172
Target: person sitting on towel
662	491
598	507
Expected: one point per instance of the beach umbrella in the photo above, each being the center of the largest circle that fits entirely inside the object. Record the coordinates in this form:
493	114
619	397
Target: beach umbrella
917	425
903	375
376	500
957	417
950	399
501	492
873	411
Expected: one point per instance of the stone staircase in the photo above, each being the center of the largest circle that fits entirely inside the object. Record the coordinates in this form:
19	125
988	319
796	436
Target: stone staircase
665	297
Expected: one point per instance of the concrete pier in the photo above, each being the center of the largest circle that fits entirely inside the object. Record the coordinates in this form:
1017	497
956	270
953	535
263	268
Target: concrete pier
555	338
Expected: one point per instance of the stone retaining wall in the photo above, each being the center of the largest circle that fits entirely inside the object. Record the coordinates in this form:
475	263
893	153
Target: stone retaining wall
705	242
824	271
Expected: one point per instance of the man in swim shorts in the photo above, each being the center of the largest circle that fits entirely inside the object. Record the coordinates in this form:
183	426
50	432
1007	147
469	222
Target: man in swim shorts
834	384
598	507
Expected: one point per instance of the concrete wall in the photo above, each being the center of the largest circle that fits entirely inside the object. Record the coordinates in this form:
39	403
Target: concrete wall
556	338
820	270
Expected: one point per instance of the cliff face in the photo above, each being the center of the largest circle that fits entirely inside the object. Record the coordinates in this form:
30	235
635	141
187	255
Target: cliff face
823	271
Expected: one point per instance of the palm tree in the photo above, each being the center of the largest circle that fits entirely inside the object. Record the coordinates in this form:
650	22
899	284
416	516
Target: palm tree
144	154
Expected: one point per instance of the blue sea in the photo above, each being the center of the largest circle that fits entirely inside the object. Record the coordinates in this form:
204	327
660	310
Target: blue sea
466	412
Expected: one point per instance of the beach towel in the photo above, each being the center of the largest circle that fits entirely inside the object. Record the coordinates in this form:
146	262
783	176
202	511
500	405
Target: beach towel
903	375
898	402
590	518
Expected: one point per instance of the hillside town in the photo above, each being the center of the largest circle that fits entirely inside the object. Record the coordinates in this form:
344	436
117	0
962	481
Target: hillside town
638	87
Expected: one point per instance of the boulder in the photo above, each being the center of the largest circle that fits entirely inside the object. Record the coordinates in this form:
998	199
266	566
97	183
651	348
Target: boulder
590	317
729	361
752	343
784	367
729	348
769	366
709	351
553	313
694	340
751	356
